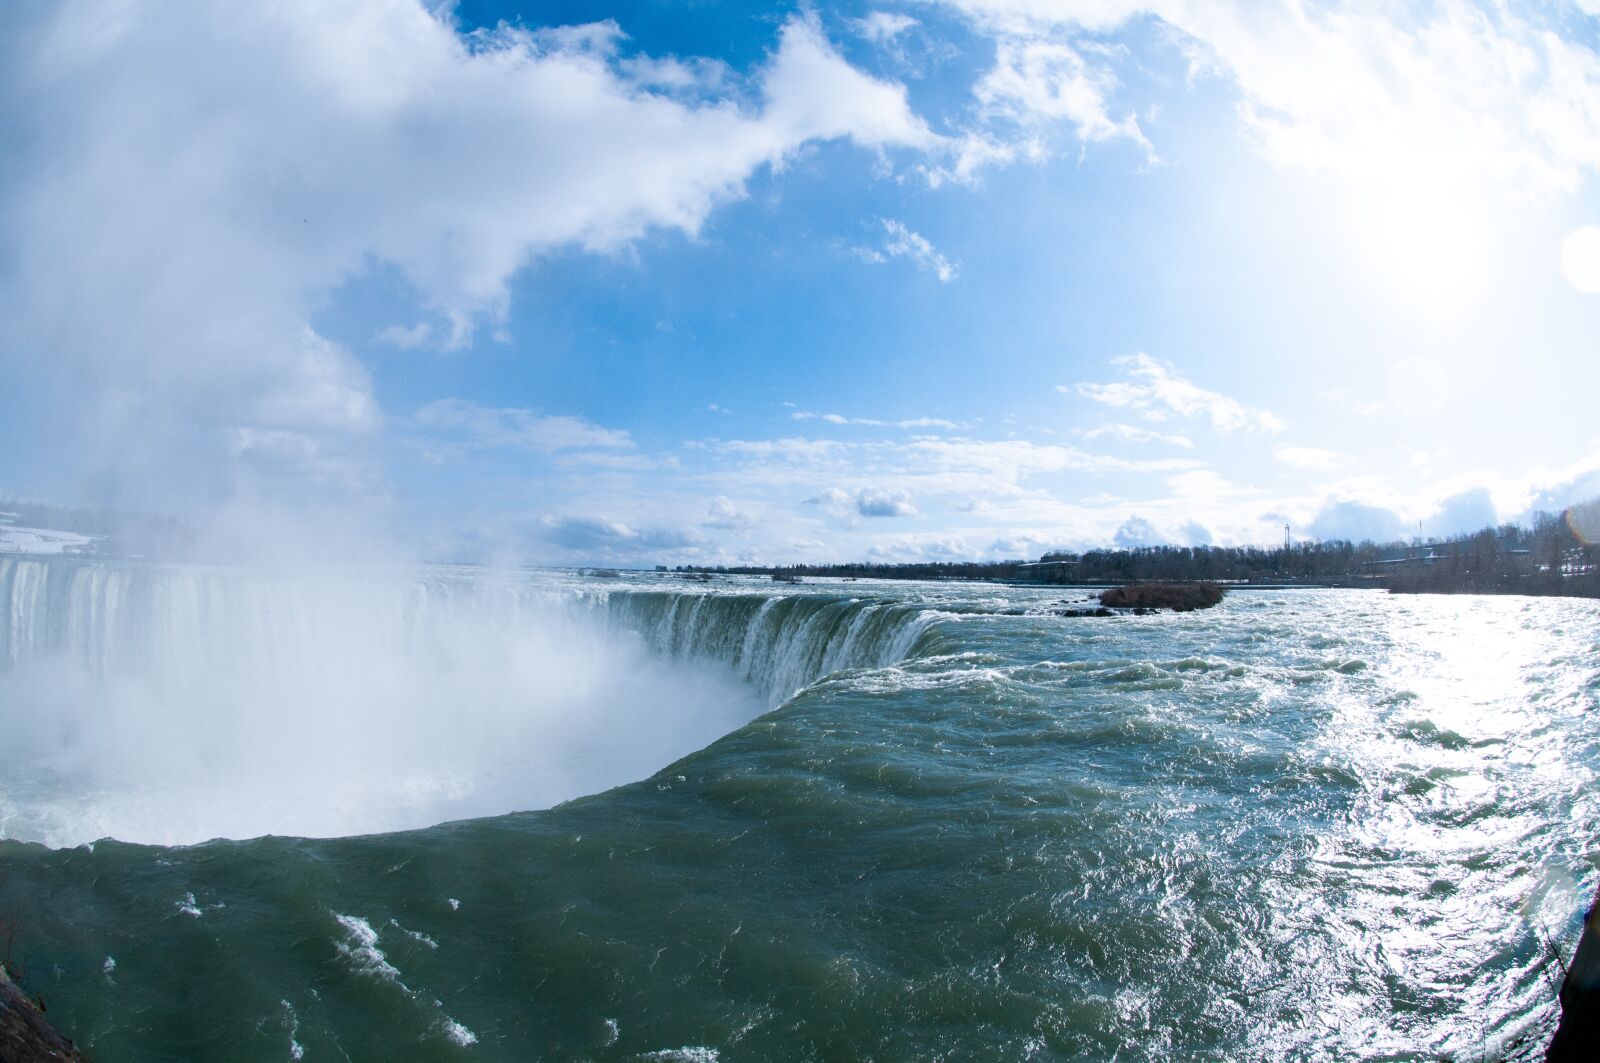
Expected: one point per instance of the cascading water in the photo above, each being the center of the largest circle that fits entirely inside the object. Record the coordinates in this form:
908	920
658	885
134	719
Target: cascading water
780	644
172	704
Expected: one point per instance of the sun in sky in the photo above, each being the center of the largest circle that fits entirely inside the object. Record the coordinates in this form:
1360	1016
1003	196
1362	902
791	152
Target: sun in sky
943	279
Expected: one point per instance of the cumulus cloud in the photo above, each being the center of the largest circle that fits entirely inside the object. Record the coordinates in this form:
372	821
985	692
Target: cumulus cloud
881	502
1025	545
865	502
727	516
1384	93
183	184
1158	391
1462	513
1135	532
1356	522
833	501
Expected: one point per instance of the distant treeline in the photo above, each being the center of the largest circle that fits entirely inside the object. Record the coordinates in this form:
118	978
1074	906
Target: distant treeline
1549	556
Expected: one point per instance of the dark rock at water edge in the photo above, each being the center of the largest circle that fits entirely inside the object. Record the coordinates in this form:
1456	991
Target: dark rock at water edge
1577	1038
26	1036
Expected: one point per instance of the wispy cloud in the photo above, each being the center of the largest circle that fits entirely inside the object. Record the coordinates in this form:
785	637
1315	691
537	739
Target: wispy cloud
882	27
1134	434
404	337
1034	81
597	537
1309	457
488	427
1379	92
1158	391
901	242
871	422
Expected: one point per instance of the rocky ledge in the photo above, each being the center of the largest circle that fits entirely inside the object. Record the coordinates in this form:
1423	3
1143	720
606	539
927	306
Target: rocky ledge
26	1036
1577	1039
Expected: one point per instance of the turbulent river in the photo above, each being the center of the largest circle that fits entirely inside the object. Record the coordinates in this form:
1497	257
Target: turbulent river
452	814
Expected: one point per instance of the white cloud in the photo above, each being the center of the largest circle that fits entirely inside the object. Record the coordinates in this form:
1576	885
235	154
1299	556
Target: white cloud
1309	457
603	539
1134	434
1158	391
1135	532
727	516
1356	521
405	337
1580	258
184	184
926	547
833	501
901	242
484	426
1035	81
866	502
882	502
793	449
882	27
1012	459
910	422
1405	97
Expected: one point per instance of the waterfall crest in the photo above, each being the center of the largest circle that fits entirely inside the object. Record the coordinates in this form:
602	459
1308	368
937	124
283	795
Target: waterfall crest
175	703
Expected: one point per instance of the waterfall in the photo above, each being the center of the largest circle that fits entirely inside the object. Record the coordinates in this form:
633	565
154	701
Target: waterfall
174	703
780	643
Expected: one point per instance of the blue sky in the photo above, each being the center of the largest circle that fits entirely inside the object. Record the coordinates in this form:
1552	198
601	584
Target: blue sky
713	282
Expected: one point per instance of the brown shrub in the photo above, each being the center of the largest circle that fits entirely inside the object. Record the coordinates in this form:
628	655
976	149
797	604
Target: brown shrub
1179	597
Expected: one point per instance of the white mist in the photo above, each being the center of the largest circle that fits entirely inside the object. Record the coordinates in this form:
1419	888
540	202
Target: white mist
173	704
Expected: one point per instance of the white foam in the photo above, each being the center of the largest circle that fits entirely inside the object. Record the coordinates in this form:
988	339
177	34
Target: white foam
360	947
296	1049
458	1033
415	935
173	704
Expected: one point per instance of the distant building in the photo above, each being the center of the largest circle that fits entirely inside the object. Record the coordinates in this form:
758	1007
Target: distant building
1424	556
1052	568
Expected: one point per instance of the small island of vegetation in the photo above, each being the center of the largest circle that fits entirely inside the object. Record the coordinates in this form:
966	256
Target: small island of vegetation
1179	597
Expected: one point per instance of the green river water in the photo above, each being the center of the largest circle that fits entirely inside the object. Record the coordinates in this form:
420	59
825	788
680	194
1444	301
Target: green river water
833	821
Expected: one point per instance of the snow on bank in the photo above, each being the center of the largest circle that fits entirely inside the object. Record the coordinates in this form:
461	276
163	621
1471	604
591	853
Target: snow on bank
16	539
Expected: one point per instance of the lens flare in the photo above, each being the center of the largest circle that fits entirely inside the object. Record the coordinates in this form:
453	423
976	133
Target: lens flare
1583	520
